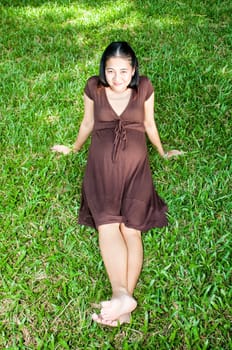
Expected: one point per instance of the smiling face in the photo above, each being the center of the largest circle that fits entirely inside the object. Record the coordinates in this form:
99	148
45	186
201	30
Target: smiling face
118	73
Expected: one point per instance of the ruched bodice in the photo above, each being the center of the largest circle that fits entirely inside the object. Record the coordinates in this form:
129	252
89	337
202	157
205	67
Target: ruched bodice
120	128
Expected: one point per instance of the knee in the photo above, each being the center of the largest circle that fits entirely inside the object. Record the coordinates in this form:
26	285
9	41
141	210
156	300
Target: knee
108	228
130	233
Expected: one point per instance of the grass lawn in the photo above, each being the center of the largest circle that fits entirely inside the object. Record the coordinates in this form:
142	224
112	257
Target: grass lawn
51	270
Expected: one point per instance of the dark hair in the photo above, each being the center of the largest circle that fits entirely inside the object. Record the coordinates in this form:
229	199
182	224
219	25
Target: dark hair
119	49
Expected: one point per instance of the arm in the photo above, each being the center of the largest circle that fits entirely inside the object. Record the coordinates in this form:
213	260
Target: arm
87	124
85	129
152	131
150	126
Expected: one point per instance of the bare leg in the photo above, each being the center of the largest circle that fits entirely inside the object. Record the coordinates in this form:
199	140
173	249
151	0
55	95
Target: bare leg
134	245
128	252
115	256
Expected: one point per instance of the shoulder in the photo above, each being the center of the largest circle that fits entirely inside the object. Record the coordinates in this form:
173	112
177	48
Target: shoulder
92	81
144	81
145	87
91	86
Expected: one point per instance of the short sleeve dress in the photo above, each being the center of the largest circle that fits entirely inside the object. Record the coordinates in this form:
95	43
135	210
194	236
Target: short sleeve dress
117	185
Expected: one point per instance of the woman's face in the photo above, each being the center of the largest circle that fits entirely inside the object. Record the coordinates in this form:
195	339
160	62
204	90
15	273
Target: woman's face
118	72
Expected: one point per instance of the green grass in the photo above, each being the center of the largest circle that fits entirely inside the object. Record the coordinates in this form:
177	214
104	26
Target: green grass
51	270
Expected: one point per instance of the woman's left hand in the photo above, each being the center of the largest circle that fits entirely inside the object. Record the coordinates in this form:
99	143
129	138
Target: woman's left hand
173	153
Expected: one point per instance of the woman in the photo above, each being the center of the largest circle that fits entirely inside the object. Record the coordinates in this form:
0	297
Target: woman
118	196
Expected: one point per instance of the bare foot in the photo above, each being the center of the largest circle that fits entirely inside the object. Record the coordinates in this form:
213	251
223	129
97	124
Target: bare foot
123	304
122	319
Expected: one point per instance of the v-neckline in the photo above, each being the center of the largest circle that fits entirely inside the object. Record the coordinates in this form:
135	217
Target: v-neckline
111	107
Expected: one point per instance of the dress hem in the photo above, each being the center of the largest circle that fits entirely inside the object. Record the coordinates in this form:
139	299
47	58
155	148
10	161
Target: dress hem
136	227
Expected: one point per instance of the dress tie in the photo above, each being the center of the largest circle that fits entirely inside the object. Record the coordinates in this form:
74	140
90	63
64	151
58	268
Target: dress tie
120	139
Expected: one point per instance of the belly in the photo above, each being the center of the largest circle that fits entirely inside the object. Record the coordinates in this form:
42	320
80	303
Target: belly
133	150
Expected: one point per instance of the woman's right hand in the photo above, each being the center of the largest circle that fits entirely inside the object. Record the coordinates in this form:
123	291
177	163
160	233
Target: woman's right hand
61	149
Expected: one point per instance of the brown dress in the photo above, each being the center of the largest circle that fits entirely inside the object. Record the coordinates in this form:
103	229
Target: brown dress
117	186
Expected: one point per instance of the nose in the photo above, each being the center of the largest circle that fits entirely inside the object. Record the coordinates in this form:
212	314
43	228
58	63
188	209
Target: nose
116	76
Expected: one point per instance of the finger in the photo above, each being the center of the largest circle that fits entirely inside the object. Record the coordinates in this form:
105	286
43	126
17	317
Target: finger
55	147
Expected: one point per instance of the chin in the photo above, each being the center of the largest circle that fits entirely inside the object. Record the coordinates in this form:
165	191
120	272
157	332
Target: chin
119	88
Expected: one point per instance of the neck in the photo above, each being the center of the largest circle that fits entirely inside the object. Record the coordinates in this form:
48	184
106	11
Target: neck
118	93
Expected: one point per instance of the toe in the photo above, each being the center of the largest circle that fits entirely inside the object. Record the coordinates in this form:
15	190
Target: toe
105	303
95	317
